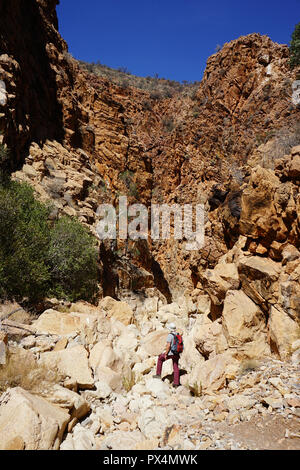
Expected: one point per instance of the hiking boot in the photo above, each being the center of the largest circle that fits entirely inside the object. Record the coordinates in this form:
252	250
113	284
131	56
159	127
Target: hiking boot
157	376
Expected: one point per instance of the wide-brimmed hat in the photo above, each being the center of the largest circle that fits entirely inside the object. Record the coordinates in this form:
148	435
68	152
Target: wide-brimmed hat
171	326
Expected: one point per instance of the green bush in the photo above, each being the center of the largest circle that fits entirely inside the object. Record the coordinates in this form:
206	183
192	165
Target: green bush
24	238
39	258
295	47
73	261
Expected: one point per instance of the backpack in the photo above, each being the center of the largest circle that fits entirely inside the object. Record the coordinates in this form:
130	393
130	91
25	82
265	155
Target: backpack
177	343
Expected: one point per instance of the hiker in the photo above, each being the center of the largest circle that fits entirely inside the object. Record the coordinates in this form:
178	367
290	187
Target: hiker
170	353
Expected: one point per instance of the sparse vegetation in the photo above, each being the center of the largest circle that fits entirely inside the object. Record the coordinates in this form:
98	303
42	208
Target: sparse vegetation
168	124
129	381
248	365
281	142
196	389
127	177
159	88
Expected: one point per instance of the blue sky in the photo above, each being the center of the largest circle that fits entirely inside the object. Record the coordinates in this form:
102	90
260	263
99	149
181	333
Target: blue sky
172	38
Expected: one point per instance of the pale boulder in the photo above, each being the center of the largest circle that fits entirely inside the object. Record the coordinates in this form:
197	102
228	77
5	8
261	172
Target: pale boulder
212	374
102	355
153	421
154	343
120	311
190	356
256	267
239	402
208	337
290	253
30	419
259	278
71	362
72	402
61	323
82	439
203	304
243	321
219	280
103	390
107	303
3	93
296	345
288	296
126	343
142	368
174	313
121	440
283	332
108	376
157	388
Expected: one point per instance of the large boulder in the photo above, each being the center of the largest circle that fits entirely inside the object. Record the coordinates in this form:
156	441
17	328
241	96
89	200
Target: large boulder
153	421
190	357
154	343
211	375
71	362
209	337
72	402
283	332
219	280
244	323
102	355
120	311
158	388
143	368
127	342
259	279
259	216
30	422
109	377
289	290
63	323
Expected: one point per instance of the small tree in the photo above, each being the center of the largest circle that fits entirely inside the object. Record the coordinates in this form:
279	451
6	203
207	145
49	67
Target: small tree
295	47
73	260
24	239
39	258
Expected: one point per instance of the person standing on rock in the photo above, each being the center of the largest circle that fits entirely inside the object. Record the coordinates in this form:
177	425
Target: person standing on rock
172	351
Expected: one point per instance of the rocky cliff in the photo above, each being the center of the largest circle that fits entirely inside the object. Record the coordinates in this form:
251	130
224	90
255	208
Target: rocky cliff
81	140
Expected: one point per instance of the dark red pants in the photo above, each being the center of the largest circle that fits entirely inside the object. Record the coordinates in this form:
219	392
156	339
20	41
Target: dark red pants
175	359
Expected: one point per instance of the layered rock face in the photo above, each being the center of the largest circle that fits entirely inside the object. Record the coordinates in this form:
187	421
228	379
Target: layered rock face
82	141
